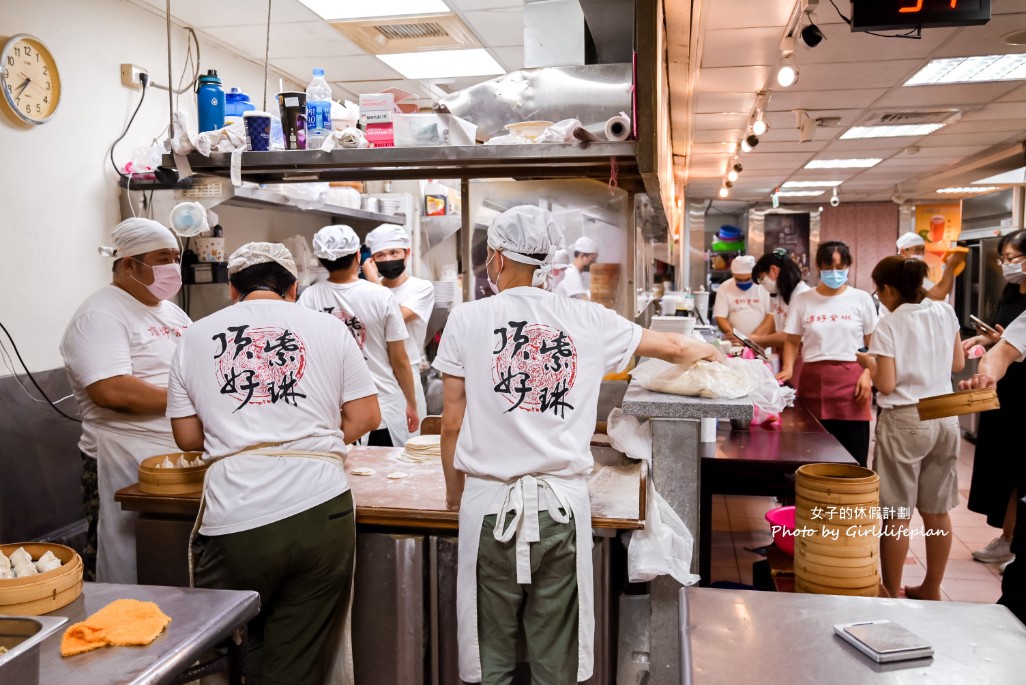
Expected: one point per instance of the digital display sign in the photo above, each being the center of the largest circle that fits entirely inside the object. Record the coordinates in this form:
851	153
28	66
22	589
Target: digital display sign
887	15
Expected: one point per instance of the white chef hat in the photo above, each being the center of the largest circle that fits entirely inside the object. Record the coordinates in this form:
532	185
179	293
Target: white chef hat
386	237
136	236
335	242
586	245
743	264
909	239
526	230
252	254
560	260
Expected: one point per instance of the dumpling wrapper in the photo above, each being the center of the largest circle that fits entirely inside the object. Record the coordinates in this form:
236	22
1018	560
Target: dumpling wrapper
24	569
50	565
166	464
396	475
6	573
198	461
182	462
20	555
363	471
5	562
45	561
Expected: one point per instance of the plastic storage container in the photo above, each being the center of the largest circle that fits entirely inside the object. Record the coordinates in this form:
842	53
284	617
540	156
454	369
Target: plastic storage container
210	102
236	103
318	110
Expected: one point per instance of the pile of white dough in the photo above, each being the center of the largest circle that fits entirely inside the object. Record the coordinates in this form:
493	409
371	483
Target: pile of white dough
422	448
182	463
20	564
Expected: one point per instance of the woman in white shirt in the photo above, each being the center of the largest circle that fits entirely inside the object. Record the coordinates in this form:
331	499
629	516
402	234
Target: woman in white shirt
913	353
780	276
832	322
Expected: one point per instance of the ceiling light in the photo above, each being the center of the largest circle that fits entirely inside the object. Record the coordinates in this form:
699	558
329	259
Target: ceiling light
800	193
759	126
812	184
787	74
752	140
811	35
745	147
724	192
1016	176
968	189
731	175
857	132
443	63
978	69
335	10
737	166
863	163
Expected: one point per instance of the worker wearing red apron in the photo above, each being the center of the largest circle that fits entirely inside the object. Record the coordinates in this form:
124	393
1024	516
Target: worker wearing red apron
522	372
832	322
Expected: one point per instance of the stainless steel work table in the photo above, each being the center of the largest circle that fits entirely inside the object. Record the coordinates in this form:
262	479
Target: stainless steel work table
200	619
740	636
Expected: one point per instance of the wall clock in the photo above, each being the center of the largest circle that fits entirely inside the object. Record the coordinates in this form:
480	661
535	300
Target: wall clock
29	79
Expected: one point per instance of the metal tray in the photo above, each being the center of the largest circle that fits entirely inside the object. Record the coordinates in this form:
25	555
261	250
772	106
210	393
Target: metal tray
21	636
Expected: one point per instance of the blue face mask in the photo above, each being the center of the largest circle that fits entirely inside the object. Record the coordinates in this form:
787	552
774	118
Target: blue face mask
834	278
744	285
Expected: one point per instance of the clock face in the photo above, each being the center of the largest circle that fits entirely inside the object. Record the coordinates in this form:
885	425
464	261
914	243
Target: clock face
29	79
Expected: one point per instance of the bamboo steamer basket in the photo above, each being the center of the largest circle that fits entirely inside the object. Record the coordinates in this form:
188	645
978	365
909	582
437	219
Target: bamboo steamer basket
811	588
176	481
842	531
45	592
810	570
837	479
836	499
839	582
957	403
834	518
819	548
831	561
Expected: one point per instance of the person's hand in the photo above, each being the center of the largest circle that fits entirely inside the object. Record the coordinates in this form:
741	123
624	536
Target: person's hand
713	353
955	259
412	420
970	343
977	382
452	505
864	359
370	271
863	388
785	375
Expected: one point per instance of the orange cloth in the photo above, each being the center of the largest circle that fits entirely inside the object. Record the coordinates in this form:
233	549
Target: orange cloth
122	622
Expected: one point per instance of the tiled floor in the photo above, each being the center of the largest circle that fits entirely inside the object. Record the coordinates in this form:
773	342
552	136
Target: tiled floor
738	525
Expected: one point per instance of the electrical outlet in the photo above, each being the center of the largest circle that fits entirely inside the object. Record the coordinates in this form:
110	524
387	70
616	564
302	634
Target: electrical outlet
130	75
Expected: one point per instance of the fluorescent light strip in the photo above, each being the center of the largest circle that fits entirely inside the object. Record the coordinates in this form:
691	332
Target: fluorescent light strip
352	9
811	184
443	63
800	193
864	163
979	69
1016	176
909	130
968	189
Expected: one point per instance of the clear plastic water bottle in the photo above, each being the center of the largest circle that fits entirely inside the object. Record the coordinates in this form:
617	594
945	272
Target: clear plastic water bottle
318	110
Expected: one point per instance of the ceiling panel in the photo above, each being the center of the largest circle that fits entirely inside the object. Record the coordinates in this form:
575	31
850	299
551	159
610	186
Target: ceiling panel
777	160
986	39
712	148
766	145
732	79
1017	95
298	39
738	48
739	14
861	75
968	125
788	99
471	5
724	102
957	95
499	27
204	13
357	68
1009	111
983	139
715	136
843	45
705	122
512	58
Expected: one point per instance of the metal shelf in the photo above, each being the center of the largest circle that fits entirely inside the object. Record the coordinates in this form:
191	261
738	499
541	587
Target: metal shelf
248	196
540	161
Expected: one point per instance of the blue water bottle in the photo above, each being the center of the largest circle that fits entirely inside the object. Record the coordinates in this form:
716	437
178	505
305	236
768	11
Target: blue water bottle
210	102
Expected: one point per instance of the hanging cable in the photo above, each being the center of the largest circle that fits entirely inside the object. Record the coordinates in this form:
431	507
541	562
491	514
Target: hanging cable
267	50
144	79
170	95
912	34
32	378
180	89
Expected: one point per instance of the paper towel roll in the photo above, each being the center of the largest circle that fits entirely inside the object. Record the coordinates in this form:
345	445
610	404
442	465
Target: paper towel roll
618	128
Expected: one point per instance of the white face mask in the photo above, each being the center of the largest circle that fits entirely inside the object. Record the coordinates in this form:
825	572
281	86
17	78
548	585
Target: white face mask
769	284
918	257
492	284
1013	273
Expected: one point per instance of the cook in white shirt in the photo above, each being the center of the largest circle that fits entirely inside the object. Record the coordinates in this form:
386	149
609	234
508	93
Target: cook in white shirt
912	246
117	351
373	317
585	253
390	248
740	302
522	372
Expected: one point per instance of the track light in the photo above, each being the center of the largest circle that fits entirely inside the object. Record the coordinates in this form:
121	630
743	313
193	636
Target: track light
728	183
737	166
745	147
752	140
759	126
724	192
731	175
787	74
811	35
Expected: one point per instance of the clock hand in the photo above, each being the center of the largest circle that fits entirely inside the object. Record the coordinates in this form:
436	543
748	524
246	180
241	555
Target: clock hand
22	87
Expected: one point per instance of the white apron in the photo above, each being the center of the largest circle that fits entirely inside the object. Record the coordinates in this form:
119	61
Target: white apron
118	454
393	417
482	496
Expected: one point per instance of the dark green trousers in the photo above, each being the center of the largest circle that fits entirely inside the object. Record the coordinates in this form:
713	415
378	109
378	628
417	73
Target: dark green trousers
302	567
546	608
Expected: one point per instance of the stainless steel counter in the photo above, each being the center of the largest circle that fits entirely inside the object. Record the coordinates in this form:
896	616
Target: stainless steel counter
739	636
200	619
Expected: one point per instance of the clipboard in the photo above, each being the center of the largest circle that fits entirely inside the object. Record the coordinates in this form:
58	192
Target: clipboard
757	349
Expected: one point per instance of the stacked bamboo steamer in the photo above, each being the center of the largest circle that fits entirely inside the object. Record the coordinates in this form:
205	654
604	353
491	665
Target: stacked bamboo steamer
44	592
837	542
605	283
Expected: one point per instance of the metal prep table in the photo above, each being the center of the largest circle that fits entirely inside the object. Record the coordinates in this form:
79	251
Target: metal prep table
200	620
770	638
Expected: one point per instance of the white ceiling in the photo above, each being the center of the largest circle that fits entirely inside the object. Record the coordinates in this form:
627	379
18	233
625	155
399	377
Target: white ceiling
721	53
848	75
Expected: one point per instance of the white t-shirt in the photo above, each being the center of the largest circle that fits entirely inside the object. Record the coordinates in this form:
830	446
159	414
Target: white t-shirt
779	308
114	334
267	371
744	309
533	363
572	284
418	296
1015	335
832	328
372	316
921	340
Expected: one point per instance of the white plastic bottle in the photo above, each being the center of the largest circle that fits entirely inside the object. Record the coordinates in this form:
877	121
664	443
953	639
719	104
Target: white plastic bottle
318	110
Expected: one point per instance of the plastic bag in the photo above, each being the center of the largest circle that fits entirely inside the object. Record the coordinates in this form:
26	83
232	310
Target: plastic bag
767	394
560	132
665	546
711	380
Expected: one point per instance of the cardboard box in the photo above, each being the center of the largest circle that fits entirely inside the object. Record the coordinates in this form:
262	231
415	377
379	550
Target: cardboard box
380	135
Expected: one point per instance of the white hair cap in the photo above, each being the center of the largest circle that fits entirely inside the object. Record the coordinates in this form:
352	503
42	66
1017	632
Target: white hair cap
526	230
252	254
386	237
743	264
136	236
335	242
909	239
586	245
560	260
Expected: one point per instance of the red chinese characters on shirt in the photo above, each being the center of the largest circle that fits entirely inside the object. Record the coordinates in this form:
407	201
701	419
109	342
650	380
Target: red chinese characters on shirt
257	366
352	322
166	332
827	318
534	366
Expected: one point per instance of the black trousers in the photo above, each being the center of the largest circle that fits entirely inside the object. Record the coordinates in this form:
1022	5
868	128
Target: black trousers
1013	582
379	438
853	436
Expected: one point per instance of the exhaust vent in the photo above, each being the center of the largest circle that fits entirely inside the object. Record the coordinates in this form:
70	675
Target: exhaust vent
941	116
408	34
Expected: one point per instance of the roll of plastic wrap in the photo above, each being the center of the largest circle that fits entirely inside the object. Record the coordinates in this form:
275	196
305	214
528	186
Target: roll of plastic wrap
618	128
